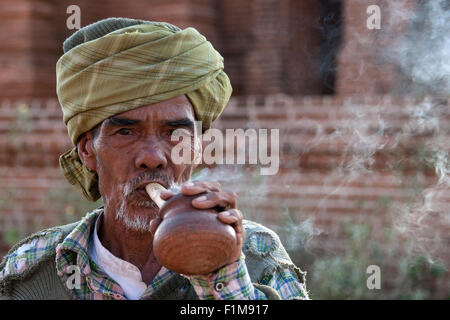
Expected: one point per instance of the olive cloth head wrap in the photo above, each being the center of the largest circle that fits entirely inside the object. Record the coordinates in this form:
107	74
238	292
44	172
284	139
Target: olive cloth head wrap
118	64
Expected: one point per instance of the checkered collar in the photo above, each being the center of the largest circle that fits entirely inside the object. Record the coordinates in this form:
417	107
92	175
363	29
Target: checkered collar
95	284
74	248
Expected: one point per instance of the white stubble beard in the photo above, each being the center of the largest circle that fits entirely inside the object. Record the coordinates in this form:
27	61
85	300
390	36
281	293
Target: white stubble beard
133	223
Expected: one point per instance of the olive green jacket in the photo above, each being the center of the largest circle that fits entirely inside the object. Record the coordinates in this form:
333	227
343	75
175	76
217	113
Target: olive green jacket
40	281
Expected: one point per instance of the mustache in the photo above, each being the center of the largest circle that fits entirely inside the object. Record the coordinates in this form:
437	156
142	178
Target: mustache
133	184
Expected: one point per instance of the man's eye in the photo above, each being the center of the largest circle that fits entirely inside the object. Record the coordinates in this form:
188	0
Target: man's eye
124	131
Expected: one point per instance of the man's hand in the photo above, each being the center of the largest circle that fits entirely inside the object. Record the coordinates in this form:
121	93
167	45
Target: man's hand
214	197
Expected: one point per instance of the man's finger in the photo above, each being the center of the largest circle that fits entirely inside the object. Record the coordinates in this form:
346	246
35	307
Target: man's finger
166	194
154	225
222	199
195	187
232	216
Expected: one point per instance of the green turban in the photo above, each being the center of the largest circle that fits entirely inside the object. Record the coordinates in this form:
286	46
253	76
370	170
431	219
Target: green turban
118	64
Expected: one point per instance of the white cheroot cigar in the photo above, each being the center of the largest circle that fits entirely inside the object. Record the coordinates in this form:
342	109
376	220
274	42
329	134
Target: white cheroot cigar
154	190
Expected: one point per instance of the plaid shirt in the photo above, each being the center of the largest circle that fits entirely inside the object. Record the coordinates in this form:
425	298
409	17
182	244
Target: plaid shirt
230	282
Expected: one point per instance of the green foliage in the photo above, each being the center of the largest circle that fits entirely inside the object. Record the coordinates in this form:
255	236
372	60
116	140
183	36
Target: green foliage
342	275
70	204
11	235
22	122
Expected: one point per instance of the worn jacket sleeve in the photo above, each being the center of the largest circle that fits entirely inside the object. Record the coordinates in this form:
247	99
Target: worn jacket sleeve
263	271
233	282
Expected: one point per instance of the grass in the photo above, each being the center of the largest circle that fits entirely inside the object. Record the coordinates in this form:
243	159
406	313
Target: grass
343	275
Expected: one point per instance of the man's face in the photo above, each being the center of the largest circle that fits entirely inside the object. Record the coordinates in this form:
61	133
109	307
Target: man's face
134	148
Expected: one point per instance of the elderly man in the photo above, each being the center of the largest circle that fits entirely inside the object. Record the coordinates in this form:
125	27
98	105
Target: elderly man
125	86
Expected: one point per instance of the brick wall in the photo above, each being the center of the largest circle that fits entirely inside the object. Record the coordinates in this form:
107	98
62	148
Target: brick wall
269	46
339	157
362	68
358	152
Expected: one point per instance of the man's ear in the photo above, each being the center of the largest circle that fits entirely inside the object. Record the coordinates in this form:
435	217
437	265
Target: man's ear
86	151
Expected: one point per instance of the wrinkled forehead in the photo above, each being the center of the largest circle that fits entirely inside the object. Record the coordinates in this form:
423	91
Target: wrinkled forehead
175	109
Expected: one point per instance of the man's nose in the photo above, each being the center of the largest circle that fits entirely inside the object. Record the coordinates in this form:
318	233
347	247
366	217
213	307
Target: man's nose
151	156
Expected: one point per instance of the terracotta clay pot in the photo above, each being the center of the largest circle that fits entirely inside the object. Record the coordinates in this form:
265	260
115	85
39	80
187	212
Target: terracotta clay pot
191	241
